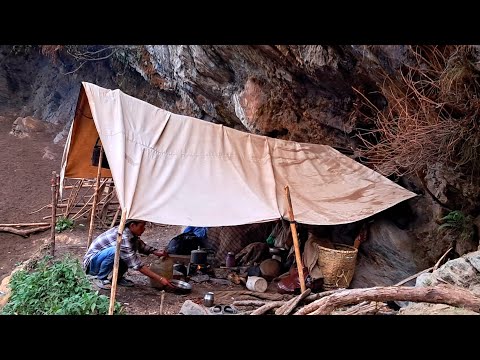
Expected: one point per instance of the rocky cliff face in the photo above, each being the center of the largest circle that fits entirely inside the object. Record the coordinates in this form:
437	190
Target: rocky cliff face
300	93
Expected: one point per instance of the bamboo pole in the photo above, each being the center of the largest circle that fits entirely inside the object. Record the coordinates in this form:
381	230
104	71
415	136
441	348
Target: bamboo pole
95	198
116	262
296	245
54	188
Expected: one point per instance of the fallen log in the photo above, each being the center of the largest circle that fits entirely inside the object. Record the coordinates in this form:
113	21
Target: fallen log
439	294
24	233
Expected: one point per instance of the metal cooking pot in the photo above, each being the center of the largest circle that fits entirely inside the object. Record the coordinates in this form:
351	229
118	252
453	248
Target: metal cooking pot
180	287
198	256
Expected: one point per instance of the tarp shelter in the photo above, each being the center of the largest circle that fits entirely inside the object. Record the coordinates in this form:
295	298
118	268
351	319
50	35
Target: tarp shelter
179	170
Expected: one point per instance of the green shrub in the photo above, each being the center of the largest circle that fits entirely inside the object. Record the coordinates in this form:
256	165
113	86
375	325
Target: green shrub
459	222
58	288
63	223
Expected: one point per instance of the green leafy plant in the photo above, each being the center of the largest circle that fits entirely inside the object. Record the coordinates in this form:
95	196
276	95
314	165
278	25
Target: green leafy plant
458	221
63	224
55	288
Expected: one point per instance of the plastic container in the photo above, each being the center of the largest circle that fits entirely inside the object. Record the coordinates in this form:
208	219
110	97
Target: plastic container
164	267
256	283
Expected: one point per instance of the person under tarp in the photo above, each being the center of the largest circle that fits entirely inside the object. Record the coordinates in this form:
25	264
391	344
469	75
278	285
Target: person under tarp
201	232
99	258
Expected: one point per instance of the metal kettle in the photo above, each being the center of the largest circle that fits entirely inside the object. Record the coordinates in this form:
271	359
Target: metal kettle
198	256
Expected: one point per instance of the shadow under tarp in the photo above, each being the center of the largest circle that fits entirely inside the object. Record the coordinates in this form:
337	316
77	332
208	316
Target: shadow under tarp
224	239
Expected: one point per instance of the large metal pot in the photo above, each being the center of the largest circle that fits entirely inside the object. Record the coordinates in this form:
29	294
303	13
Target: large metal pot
198	256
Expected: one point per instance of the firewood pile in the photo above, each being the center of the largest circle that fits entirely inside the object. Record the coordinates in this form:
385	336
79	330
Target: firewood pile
365	301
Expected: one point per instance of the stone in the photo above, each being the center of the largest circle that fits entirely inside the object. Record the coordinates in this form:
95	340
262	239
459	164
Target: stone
474	259
23	127
426	279
458	272
385	258
191	308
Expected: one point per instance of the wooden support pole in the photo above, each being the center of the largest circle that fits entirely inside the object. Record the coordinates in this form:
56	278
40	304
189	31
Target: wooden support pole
95	198
54	187
116	262
296	245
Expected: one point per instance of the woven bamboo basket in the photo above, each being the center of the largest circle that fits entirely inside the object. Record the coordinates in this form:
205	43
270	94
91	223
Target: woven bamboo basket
337	265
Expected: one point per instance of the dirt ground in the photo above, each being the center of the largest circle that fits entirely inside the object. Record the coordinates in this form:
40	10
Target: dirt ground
142	299
26	165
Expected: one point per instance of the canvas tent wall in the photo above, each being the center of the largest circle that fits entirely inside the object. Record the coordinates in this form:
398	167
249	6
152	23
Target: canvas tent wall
179	170
79	145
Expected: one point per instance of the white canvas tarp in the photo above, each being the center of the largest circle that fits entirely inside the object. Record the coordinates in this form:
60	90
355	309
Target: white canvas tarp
179	170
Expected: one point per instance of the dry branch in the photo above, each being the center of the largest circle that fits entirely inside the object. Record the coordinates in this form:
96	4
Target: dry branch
249	303
26	224
291	304
439	294
228	296
312	297
366	308
430	116
24	233
43	207
268	306
433	268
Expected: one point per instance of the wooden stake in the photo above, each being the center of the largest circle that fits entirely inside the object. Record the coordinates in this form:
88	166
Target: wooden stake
161	302
95	198
116	262
296	245
54	188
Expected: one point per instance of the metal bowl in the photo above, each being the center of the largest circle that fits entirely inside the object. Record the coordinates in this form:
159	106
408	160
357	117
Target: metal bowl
181	287
276	251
